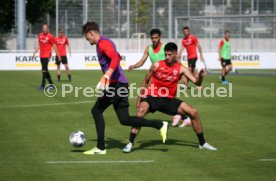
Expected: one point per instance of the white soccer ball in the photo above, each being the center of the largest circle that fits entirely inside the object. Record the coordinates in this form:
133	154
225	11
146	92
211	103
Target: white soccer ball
77	138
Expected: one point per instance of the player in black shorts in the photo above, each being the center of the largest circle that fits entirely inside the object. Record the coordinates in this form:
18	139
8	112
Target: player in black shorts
160	87
62	42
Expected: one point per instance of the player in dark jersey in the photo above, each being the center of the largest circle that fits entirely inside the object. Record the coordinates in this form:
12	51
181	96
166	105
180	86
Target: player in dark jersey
61	42
111	82
161	92
46	42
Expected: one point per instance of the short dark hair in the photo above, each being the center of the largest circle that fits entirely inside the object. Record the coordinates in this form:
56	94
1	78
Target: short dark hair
60	30
227	31
186	28
90	26
155	31
170	47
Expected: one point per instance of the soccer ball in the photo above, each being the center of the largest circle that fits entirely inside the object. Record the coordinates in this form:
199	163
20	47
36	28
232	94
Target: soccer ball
77	138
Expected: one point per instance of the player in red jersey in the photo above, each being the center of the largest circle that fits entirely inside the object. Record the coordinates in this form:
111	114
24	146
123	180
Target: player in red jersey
161	92
61	42
46	42
191	43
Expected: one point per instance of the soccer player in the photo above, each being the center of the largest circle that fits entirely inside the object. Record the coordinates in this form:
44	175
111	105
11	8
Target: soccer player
225	57
113	83
61	43
191	43
161	92
46	42
155	51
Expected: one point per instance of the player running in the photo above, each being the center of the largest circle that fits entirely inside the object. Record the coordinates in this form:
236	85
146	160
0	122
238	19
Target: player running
46	42
112	82
225	57
161	92
191	43
61	42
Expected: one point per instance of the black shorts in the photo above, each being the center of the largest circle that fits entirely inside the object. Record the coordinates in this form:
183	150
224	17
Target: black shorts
44	63
63	60
192	62
163	104
115	97
225	62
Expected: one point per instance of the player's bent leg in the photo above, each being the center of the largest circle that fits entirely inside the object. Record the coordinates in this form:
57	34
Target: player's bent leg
196	123
141	112
185	80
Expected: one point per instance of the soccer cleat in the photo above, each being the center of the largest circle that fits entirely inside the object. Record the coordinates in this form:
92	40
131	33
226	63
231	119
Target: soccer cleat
208	147
176	119
164	131
225	82
128	148
95	151
186	122
41	88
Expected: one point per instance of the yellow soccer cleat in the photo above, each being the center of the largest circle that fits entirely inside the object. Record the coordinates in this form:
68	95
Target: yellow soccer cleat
164	131
95	151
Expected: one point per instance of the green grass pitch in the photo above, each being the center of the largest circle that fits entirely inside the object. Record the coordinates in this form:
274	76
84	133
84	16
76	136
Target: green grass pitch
34	131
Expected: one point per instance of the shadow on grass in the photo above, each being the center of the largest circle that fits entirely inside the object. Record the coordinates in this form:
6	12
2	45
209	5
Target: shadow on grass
145	144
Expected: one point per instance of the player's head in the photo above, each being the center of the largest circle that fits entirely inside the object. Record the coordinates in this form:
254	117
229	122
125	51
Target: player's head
155	35
170	52
60	32
45	28
91	31
186	31
226	34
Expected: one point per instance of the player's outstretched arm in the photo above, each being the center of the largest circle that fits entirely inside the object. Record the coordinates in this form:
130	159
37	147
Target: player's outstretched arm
146	82
141	62
180	53
196	80
36	50
200	51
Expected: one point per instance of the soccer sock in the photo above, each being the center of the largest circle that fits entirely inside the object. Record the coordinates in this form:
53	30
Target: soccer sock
44	75
141	122
58	77
201	138
183	117
223	78
69	77
132	137
49	78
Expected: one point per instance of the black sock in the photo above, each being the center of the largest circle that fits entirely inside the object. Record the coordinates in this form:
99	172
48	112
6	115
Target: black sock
49	78
132	137
44	76
58	77
183	117
69	77
223	78
201	138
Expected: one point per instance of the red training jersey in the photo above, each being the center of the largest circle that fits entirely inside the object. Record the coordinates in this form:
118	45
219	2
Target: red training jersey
45	41
190	43
164	80
61	43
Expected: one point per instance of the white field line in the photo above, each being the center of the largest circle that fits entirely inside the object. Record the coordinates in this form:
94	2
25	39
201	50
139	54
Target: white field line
267	160
42	105
99	162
